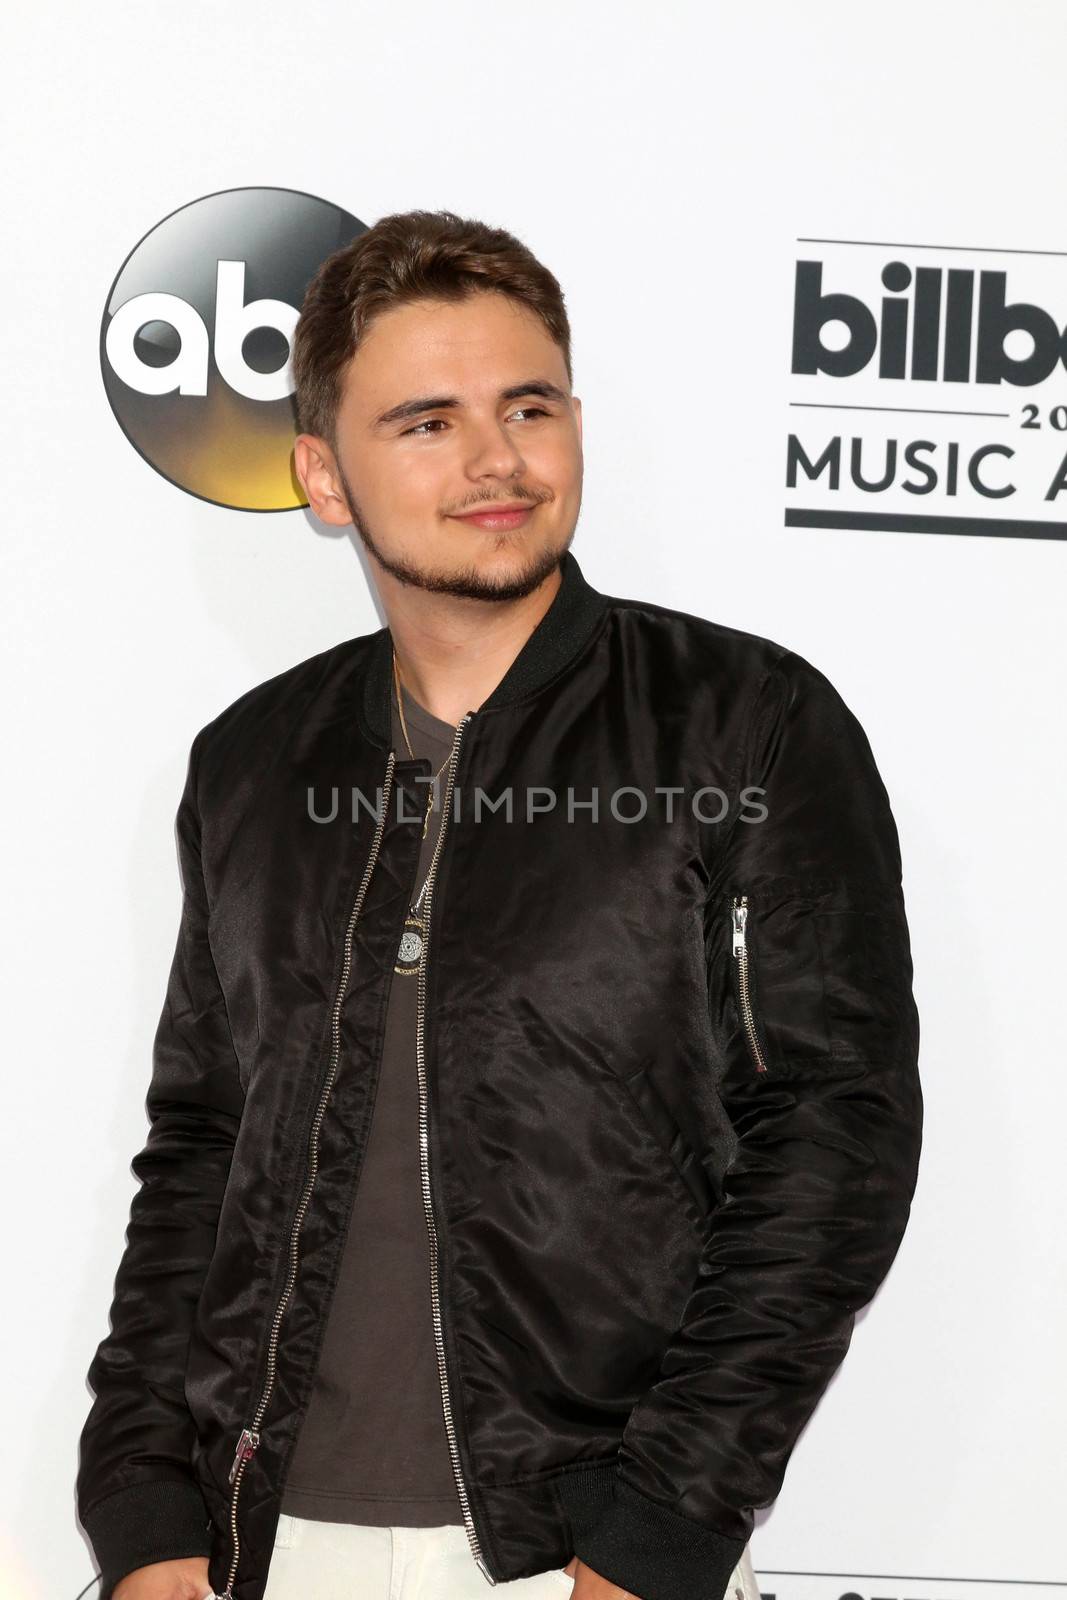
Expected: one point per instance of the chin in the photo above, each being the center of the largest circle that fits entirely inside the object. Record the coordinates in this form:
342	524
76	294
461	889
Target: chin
512	569
514	561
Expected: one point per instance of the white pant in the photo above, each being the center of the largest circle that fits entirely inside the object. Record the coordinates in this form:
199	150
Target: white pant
350	1561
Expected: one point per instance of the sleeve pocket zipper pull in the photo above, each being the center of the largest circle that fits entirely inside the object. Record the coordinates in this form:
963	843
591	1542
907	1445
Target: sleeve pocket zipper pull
744	993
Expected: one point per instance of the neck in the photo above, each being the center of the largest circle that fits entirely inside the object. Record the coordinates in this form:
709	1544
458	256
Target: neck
452	652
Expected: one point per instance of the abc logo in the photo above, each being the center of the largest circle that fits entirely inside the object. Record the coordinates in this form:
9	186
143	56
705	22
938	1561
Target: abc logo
194	344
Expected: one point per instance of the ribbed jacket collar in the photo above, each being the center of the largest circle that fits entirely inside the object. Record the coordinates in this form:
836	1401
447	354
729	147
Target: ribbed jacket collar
569	621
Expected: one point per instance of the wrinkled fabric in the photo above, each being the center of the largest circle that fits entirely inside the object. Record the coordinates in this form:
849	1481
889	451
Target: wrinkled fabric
650	1253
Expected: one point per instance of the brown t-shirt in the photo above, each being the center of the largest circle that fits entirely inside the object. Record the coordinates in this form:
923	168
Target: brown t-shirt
373	1447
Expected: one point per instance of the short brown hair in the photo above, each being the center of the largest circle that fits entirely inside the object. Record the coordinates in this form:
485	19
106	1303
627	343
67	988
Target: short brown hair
407	256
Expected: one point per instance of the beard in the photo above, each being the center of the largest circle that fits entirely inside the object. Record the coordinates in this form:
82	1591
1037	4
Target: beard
467	583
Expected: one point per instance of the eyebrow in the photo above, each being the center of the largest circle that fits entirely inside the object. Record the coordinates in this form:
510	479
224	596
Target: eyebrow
451	402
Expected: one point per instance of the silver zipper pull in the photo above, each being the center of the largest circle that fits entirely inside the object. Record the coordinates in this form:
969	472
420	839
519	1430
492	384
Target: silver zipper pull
740	919
744	992
247	1445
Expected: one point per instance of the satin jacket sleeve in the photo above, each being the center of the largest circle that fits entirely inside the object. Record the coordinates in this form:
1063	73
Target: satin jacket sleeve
823	1095
137	1493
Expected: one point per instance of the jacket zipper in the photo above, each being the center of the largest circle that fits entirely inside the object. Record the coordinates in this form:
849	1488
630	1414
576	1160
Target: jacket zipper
744	991
248	1443
424	1159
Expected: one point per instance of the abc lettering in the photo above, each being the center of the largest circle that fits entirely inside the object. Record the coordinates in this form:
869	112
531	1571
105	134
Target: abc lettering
188	372
971	329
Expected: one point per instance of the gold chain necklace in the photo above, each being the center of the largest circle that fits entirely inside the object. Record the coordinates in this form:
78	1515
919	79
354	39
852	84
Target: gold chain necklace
411	940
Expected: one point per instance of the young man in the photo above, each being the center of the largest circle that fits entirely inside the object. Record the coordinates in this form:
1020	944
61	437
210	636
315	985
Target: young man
535	1101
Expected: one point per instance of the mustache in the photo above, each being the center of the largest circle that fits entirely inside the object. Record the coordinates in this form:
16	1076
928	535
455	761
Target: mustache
534	496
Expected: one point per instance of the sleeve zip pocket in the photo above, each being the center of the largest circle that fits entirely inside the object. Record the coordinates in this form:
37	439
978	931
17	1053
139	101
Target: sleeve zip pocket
744	985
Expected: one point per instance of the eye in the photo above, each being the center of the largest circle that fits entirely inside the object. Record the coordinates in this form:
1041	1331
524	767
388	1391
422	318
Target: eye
532	411
418	428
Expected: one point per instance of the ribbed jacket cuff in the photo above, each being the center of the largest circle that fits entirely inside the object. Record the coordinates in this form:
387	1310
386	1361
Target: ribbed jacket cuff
641	1545
146	1522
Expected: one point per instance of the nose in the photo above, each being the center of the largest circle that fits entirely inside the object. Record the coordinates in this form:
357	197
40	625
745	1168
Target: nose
494	453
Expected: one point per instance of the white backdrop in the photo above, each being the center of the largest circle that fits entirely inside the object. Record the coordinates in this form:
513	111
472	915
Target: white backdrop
664	161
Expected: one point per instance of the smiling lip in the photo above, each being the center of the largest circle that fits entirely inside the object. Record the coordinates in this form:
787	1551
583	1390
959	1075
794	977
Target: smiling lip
497	517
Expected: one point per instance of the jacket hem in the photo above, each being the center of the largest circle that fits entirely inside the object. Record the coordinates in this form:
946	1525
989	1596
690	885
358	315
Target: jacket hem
641	1545
162	1520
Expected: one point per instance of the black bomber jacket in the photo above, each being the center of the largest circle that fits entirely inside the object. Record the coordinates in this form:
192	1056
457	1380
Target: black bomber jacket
670	1112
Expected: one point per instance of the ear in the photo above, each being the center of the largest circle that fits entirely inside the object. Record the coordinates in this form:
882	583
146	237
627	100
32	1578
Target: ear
315	466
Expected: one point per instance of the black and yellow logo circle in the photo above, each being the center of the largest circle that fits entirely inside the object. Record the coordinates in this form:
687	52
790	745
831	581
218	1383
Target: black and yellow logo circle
194	344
